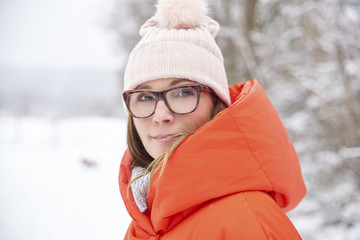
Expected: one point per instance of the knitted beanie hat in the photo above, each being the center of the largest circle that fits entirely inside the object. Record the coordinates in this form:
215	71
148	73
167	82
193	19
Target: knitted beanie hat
178	42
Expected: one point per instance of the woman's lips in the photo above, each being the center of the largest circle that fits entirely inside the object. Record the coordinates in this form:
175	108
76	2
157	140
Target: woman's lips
165	138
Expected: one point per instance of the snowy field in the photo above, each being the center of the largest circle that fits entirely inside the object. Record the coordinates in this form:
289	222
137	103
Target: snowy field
58	179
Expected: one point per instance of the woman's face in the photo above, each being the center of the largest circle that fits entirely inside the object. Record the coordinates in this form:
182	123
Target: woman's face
160	130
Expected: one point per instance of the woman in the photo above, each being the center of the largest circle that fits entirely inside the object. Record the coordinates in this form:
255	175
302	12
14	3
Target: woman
204	160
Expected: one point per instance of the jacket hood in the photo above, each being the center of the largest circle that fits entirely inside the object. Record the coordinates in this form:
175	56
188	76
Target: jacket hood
244	148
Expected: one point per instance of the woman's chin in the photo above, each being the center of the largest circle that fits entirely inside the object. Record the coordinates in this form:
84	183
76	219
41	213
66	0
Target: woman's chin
160	149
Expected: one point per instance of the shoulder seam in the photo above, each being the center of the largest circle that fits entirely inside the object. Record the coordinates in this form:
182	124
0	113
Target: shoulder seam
253	212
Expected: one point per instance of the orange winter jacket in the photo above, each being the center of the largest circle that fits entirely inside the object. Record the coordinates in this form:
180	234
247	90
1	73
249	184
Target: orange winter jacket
234	178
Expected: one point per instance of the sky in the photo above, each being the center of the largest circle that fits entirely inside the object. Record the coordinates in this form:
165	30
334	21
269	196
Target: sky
57	34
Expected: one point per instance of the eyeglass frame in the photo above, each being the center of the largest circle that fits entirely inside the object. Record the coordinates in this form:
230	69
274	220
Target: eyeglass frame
161	95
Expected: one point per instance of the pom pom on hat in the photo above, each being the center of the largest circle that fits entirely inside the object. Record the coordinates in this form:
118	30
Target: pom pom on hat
181	13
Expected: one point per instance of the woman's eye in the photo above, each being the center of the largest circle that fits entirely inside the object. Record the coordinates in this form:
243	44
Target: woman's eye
186	93
145	97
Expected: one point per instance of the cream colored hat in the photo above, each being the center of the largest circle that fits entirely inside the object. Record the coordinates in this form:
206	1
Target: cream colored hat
178	42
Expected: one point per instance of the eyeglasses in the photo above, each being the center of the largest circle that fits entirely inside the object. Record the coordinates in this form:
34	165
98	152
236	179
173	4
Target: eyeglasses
180	100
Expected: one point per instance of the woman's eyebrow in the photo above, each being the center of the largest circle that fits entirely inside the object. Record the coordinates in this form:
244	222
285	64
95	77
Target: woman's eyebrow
179	80
143	87
171	84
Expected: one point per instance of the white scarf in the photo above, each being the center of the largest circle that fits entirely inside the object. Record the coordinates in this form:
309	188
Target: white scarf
140	187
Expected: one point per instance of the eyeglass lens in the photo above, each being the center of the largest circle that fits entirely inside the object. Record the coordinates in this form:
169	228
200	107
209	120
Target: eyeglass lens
180	100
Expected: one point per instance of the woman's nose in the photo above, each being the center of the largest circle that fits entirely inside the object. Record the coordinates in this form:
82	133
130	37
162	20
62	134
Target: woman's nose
162	113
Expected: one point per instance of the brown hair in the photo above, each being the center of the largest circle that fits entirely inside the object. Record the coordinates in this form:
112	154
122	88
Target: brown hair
141	158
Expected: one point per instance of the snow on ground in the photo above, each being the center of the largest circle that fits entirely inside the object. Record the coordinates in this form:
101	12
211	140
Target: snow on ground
58	178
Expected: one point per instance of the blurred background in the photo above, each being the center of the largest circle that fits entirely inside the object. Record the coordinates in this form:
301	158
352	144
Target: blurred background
62	126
